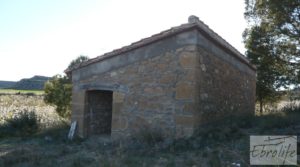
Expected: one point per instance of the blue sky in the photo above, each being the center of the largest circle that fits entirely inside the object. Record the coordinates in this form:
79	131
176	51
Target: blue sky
41	37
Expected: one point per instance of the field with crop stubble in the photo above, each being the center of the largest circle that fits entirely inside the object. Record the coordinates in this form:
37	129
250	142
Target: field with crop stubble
32	134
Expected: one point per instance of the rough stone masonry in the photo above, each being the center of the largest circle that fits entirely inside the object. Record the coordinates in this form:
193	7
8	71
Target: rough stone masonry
172	82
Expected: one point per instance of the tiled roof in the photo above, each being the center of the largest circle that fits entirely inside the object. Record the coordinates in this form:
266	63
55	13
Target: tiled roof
194	22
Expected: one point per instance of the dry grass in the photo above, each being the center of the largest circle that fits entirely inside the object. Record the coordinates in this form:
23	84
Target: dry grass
12	105
225	143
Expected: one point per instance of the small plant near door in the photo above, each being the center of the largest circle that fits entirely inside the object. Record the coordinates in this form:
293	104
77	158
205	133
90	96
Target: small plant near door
150	136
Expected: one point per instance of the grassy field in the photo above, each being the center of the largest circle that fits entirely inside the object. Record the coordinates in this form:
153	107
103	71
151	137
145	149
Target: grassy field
224	143
14	91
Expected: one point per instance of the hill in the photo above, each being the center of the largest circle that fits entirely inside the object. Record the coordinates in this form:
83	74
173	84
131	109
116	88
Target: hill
7	84
34	83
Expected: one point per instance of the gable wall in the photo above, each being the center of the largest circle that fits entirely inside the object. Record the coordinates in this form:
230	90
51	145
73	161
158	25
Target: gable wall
153	92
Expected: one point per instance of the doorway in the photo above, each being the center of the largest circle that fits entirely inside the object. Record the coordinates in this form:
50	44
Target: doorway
99	112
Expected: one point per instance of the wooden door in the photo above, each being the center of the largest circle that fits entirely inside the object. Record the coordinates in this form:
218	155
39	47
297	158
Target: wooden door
99	112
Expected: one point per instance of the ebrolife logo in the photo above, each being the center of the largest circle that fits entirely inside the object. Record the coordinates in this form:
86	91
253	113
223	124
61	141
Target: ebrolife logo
273	150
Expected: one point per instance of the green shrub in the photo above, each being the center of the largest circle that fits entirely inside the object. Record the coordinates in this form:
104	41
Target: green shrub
291	109
24	124
151	136
55	133
58	91
283	118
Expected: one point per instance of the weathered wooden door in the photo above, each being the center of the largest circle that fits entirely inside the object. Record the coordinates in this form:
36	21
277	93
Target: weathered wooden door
99	112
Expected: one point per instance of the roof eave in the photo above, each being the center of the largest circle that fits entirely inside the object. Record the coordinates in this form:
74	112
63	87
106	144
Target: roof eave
200	26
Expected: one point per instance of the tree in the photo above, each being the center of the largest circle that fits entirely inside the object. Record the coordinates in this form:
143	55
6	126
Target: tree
58	90
77	61
258	44
273	45
281	20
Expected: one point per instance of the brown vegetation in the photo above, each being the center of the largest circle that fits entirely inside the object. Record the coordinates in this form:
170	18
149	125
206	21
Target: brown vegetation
225	143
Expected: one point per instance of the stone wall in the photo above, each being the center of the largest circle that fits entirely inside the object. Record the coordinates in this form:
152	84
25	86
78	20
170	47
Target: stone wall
224	88
160	93
173	86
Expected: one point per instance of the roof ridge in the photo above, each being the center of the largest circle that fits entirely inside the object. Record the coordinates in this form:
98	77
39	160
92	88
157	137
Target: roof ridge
193	22
223	40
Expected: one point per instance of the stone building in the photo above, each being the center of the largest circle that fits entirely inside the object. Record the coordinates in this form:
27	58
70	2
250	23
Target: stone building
172	82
